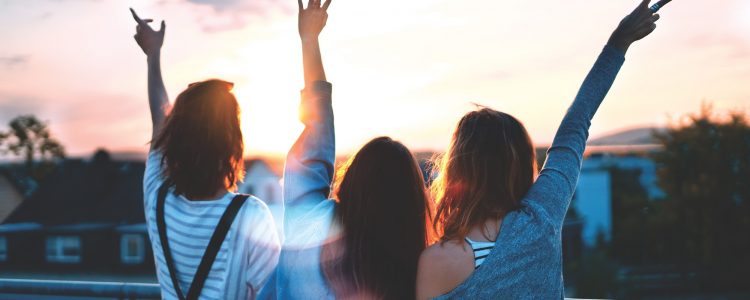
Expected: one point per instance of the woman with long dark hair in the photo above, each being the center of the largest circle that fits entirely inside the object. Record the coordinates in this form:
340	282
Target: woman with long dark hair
208	242
363	242
501	223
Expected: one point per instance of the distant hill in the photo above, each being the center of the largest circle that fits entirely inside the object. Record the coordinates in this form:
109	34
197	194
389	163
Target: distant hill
629	137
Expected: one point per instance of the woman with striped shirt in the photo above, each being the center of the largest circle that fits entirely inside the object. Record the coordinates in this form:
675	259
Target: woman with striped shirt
208	242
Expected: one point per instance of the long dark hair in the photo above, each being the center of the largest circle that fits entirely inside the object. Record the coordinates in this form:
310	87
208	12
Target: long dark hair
488	168
201	141
384	214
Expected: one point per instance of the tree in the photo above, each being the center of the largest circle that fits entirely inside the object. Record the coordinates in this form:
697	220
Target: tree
705	170
642	228
31	139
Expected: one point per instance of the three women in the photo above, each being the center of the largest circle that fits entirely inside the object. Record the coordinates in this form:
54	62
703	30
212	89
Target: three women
500	221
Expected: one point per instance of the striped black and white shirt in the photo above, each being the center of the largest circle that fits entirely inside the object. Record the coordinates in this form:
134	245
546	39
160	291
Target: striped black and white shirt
247	256
481	251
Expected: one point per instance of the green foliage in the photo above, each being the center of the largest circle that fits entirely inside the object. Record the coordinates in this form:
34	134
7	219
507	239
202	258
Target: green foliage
701	229
705	172
630	205
642	228
30	138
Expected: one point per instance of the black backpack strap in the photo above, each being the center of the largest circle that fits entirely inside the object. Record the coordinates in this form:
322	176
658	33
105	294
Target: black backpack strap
222	228
162	227
214	245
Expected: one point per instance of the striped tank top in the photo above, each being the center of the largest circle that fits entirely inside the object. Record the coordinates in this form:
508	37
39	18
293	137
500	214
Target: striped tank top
481	251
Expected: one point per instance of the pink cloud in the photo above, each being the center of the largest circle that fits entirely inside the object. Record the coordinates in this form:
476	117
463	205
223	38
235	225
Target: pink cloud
236	14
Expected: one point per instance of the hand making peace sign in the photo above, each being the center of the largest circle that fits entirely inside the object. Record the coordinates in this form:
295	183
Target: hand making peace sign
313	19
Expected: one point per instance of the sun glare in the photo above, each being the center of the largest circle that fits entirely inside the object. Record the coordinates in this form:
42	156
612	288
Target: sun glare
269	95
269	119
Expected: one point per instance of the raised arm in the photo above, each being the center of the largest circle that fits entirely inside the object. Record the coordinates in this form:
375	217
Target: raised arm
311	23
557	181
309	165
150	42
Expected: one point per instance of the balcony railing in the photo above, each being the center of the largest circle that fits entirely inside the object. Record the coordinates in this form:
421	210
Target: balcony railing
117	290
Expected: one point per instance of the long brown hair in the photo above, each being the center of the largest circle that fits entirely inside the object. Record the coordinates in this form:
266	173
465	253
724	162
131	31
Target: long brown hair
489	166
385	215
201	141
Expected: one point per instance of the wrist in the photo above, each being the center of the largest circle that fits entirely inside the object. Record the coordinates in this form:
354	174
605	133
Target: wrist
619	44
155	56
309	39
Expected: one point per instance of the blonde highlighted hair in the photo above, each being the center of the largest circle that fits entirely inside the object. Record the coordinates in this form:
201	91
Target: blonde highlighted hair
488	168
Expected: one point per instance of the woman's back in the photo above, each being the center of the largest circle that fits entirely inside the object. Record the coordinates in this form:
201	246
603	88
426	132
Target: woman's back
245	258
299	274
224	247
365	242
526	259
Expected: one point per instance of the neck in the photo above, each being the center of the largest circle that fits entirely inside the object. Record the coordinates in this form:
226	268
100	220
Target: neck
486	231
220	193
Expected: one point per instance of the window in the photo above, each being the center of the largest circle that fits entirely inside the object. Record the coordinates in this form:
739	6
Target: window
64	249
132	248
3	248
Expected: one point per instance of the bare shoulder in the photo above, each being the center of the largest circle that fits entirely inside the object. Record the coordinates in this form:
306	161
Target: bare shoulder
447	253
442	267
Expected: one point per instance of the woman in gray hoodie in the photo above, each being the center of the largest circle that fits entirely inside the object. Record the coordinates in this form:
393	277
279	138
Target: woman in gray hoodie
501	223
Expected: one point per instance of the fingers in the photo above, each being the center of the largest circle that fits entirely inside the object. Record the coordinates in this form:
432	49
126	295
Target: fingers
135	16
163	27
642	10
643	14
645	31
648	20
314	4
637	10
148	20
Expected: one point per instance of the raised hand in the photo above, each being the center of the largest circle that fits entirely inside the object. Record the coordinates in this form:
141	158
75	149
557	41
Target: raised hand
637	25
147	38
313	19
311	23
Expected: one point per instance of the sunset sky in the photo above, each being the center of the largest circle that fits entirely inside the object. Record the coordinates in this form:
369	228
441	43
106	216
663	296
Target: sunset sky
408	69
